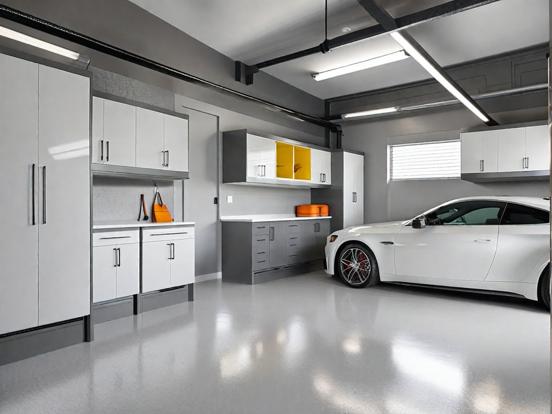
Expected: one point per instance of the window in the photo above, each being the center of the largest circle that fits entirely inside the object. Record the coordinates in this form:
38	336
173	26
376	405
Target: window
468	213
516	214
428	160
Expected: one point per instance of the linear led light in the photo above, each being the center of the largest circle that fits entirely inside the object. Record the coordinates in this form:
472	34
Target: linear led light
366	64
20	37
433	71
371	112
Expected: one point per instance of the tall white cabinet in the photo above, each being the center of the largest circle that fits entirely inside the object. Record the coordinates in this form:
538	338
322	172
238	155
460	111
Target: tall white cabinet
353	189
45	251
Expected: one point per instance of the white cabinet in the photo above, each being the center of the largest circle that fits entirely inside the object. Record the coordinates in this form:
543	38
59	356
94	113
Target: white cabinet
168	257
479	152
261	157
509	152
321	166
149	139
113	133
45	251
353	189
116	265
537	148
176	143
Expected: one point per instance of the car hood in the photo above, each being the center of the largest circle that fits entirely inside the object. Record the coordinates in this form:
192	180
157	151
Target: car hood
374	228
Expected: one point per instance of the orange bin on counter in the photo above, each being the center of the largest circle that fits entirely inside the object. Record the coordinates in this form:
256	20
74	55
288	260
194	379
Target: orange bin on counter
312	210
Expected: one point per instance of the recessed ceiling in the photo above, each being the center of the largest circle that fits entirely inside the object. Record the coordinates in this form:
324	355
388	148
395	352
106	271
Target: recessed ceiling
254	31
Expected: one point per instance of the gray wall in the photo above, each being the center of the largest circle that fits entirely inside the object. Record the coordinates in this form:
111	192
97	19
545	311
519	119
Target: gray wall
401	200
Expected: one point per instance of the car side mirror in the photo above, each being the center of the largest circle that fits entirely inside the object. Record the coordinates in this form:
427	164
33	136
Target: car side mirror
419	223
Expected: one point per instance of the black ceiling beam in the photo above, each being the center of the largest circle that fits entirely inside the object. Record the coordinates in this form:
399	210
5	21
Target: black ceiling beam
244	72
53	29
390	24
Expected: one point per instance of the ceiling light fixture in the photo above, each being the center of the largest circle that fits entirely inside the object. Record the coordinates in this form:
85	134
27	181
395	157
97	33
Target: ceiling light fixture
366	64
20	37
433	71
371	112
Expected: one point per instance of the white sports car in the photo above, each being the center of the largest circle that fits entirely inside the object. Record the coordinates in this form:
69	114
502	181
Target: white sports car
498	244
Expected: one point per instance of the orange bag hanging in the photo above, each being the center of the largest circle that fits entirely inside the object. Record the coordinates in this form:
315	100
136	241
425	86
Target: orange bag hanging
161	213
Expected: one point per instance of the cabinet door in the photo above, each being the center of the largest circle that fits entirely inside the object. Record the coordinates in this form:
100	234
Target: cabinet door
183	262
472	152
149	139
156	271
277	245
128	270
326	166
98	143
104	273
176	143
120	133
490	150
18	152
64	234
538	147
511	148
316	166
261	157
353	189
320	230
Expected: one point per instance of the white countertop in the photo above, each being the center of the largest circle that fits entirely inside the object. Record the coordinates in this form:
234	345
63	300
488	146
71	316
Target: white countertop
137	224
257	218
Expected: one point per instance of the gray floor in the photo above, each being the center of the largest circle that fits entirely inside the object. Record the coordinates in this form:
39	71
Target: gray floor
300	345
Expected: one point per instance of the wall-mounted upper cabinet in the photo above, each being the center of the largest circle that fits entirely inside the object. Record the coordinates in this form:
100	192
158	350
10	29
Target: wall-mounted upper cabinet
521	153
256	160
153	143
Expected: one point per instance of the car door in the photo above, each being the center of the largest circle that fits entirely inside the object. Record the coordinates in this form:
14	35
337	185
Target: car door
523	245
458	243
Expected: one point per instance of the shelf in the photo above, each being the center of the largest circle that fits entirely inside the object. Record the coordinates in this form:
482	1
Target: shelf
136	172
284	160
541	175
302	163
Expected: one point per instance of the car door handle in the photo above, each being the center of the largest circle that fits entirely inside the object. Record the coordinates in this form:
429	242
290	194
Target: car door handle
482	240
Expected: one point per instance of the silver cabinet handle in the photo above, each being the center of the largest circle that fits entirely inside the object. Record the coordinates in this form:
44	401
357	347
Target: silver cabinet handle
168	158
107	149
168	234
354	197
44	195
33	208
115	257
173	251
118	257
481	165
102	150
163	162
114	237
170	250
271	233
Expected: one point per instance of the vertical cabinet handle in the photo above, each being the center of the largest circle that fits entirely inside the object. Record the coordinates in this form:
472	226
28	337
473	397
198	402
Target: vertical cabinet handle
102	150
107	151
33	207
118	257
44	195
164	162
481	165
354	197
115	257
173	251
271	233
168	159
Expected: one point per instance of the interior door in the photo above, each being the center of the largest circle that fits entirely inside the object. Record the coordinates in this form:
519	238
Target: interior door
105	273
182	263
156	271
64	242
538	147
18	154
128	270
176	143
120	133
149	139
458	244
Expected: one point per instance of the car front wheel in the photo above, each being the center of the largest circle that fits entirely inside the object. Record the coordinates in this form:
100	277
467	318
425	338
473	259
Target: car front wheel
357	266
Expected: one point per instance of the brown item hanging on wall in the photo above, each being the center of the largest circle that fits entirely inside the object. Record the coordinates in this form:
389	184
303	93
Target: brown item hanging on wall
160	211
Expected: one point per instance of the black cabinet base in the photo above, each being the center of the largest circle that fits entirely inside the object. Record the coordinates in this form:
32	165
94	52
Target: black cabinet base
25	344
278	273
133	305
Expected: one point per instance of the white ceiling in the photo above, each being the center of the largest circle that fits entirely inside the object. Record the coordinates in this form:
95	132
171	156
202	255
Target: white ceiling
256	30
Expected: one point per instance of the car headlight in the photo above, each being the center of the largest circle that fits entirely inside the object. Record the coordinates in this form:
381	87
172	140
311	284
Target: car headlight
332	238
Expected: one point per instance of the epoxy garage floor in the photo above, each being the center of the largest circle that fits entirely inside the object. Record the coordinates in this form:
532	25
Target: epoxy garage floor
301	345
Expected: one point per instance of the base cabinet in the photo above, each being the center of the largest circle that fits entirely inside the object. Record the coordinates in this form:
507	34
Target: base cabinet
167	258
274	245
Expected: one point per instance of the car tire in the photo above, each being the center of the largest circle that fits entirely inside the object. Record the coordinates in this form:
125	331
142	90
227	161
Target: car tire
357	266
544	288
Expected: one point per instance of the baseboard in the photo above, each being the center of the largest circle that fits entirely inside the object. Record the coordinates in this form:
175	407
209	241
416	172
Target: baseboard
208	276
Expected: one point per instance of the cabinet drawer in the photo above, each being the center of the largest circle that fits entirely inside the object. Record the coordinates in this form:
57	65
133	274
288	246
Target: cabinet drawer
165	234
260	245
260	261
260	229
293	228
110	238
